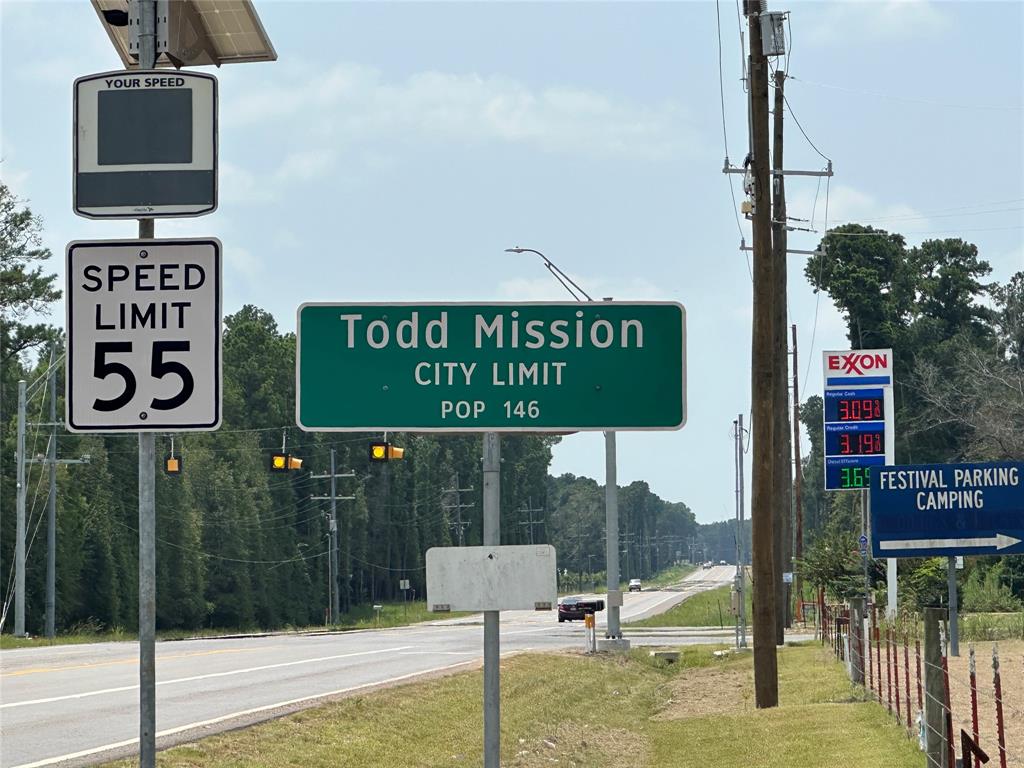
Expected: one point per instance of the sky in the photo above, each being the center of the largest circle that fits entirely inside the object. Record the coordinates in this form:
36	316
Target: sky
394	150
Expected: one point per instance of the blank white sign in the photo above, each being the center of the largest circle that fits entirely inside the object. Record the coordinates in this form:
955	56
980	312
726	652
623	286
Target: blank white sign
508	578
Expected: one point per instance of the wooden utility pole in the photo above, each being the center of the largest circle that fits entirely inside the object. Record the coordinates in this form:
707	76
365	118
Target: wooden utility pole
797	481
766	672
782	479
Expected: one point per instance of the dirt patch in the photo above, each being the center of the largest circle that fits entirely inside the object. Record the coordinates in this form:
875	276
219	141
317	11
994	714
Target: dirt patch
709	691
1011	668
580	744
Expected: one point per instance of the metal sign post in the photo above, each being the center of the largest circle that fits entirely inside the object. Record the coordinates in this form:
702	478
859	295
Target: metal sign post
146	145
492	647
147	484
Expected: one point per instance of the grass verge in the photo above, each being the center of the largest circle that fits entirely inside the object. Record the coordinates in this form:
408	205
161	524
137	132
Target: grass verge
360	617
706	609
573	710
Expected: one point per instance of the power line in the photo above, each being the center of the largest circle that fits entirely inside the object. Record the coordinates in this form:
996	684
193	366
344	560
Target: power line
725	137
817	293
927	232
879	94
802	131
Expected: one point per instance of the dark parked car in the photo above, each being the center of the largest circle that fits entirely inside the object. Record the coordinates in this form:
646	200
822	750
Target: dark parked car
570	608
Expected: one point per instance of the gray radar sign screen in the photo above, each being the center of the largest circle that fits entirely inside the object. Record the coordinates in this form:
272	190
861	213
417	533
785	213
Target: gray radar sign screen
138	127
145	144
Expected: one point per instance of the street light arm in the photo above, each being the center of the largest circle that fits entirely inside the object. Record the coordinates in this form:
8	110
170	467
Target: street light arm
555	273
559	275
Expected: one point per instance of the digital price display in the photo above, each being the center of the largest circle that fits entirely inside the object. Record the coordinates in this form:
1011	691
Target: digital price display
868	440
851	475
856	435
845	407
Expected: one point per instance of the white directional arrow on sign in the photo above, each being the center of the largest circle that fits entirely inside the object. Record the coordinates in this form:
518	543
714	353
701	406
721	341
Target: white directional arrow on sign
999	541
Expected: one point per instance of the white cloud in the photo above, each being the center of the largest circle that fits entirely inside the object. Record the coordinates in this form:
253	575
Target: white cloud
305	165
240	185
356	103
889	20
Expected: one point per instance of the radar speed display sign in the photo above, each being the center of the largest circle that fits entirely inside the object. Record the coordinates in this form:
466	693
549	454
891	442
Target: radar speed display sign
144	335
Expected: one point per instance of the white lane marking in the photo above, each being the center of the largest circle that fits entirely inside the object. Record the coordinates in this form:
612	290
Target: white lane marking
242	713
438	653
528	631
87	694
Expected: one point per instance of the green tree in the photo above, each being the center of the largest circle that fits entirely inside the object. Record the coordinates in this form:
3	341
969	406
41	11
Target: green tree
26	290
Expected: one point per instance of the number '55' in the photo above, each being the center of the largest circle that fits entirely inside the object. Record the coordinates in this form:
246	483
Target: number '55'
102	367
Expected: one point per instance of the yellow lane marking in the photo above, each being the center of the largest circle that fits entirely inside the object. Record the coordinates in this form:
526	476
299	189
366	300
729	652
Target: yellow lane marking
132	660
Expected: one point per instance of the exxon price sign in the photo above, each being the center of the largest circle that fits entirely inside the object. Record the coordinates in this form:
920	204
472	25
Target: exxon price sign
537	367
947	510
858	416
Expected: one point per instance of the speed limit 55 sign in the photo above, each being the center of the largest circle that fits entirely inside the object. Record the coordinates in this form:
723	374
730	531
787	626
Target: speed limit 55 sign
144	335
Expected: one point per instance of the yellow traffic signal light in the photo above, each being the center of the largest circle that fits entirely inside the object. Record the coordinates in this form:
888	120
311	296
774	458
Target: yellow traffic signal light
383	451
282	462
173	465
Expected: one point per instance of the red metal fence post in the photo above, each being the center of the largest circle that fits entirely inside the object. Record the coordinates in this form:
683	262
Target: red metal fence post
867	646
1000	728
974	702
896	672
878	655
906	677
888	669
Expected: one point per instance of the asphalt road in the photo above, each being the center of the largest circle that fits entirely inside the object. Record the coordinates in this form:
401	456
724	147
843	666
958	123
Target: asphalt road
78	704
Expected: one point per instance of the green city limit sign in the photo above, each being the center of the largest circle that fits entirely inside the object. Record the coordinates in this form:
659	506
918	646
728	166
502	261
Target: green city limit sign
491	367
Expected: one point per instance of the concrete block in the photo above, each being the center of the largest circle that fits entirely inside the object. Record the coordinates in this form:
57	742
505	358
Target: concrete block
613	645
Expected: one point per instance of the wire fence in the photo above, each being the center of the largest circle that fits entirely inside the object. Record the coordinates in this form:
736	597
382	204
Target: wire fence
957	716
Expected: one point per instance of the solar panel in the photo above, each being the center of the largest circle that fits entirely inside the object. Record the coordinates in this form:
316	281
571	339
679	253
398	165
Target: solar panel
191	32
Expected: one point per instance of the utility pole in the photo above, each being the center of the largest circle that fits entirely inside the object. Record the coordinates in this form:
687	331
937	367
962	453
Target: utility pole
744	554
51	511
797	481
52	461
740	587
19	542
334	567
530	522
766	673
458	524
782	482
